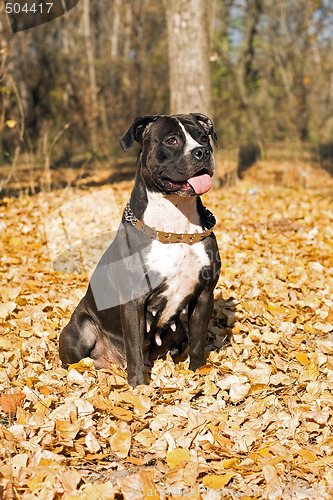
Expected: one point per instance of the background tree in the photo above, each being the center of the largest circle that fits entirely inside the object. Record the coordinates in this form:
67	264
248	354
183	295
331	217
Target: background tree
190	85
262	69
246	72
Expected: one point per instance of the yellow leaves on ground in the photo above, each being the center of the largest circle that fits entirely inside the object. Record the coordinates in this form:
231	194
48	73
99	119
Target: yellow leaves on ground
145	438
141	403
10	402
308	456
70	480
121	413
256	418
311	372
6	309
302	357
216	482
84	365
271	477
178	456
120	442
67	431
237	385
92	442
139	486
103	491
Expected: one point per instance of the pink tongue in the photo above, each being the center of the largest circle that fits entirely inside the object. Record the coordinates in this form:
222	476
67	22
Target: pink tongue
200	183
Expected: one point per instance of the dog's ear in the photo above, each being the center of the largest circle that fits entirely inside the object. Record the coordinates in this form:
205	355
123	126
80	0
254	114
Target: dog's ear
207	125
136	131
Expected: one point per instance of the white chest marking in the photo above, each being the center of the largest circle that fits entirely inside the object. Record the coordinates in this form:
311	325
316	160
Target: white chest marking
181	264
173	213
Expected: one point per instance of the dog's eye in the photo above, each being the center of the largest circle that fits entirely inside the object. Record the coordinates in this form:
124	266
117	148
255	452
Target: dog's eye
204	138
172	141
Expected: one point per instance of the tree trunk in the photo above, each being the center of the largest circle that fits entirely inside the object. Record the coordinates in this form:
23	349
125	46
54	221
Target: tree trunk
115	28
190	87
91	72
244	72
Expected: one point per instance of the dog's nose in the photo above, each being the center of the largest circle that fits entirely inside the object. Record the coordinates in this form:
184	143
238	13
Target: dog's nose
200	153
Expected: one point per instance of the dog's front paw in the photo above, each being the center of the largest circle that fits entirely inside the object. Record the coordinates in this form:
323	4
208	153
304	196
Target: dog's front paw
135	379
197	362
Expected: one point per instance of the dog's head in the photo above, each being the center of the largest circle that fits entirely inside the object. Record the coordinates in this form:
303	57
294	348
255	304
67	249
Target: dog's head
177	155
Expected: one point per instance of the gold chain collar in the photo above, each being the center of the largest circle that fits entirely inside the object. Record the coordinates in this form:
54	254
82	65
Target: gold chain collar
165	237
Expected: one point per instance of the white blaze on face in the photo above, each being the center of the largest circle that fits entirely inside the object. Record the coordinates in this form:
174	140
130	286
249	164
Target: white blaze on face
190	142
199	183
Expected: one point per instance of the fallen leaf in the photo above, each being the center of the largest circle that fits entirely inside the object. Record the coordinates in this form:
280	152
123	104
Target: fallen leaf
70	480
82	366
271	476
217	481
74	377
308	455
177	456
145	437
311	372
6	309
92	442
139	486
102	491
302	357
10	402
120	442
67	430
140	402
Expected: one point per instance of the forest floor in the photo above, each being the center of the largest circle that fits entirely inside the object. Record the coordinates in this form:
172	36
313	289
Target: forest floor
255	422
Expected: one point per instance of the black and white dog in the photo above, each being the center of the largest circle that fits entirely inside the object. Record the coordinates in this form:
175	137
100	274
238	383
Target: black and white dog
164	256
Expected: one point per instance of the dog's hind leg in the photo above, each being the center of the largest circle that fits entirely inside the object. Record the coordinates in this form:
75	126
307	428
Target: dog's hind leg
77	341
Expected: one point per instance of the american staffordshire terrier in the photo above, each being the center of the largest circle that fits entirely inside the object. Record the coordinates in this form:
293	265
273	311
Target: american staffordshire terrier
164	258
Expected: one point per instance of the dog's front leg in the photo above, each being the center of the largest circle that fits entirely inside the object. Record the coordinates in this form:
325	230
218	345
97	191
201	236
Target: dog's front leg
200	311
133	326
